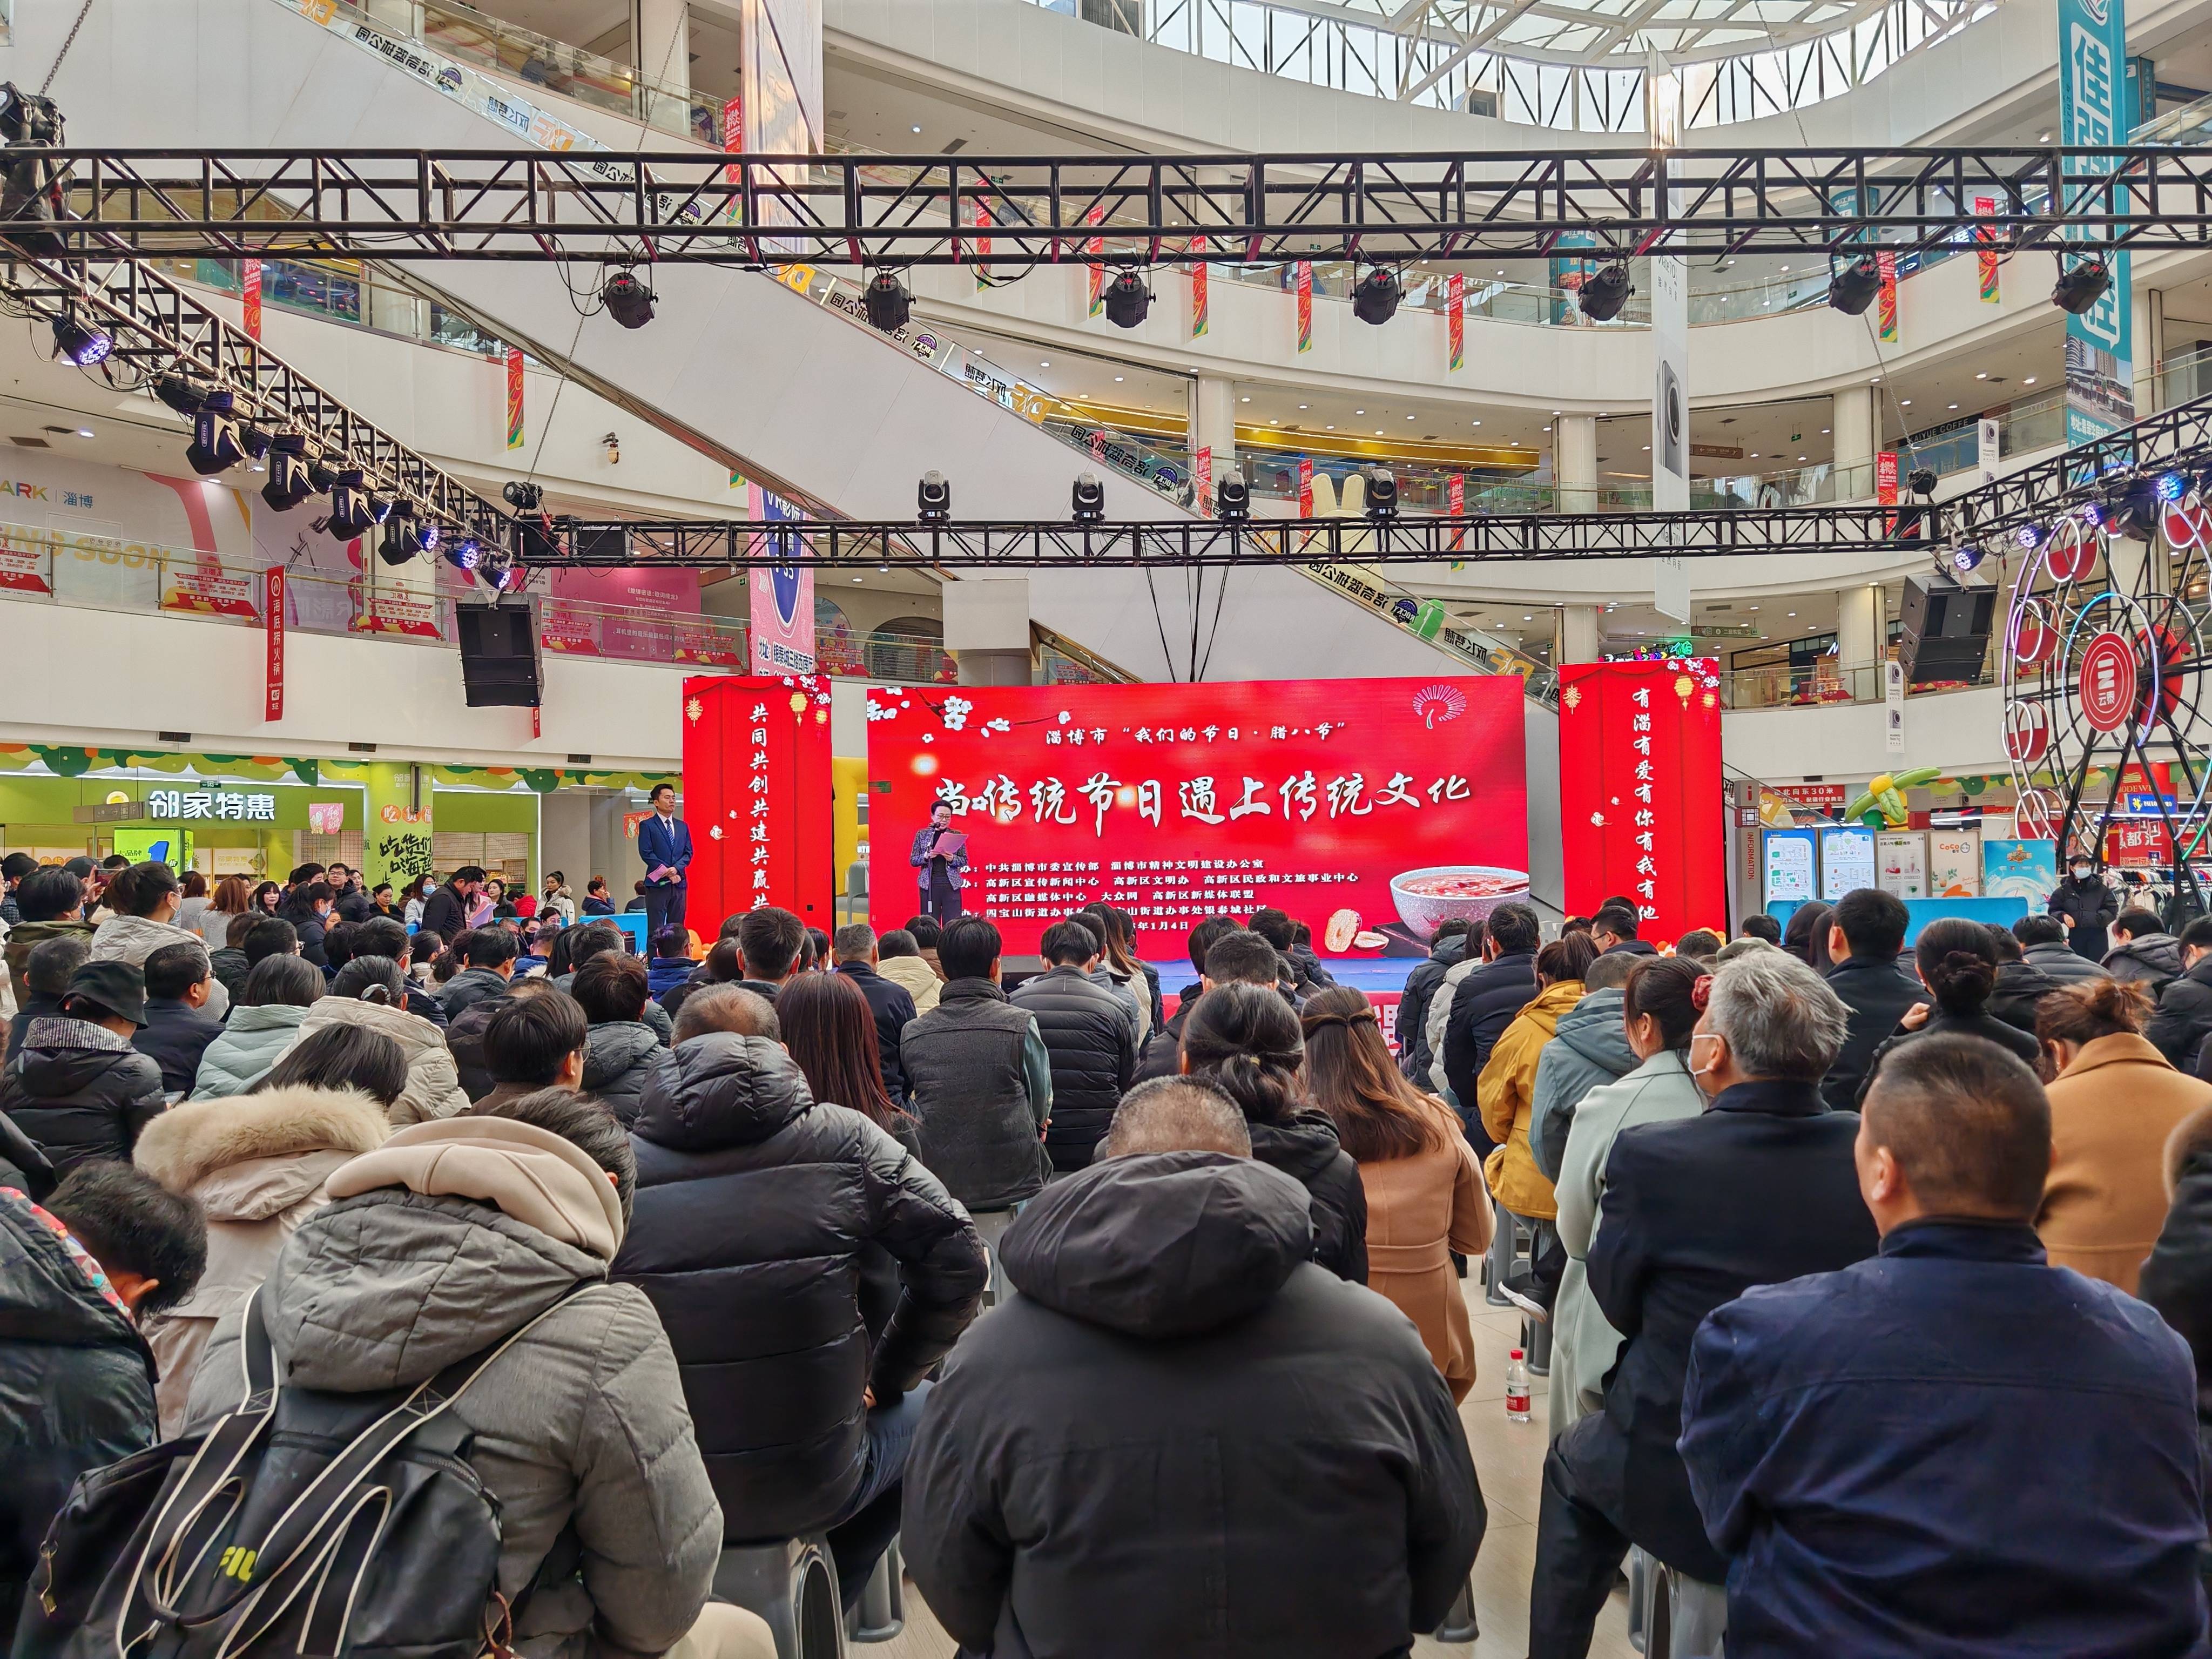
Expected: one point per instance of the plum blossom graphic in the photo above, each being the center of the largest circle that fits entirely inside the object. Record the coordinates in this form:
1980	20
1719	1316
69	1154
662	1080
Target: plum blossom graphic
1437	703
955	712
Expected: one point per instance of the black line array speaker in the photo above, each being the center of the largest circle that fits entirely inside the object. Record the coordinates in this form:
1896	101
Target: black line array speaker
498	655
1944	629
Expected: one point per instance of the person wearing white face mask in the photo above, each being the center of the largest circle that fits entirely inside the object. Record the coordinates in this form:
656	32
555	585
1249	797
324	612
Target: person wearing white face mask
1759	1188
2086	906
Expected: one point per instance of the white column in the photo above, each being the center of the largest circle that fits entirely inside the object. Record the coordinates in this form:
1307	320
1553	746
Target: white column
1212	420
1853	423
663	34
1858	627
1574	461
1577	636
2149	320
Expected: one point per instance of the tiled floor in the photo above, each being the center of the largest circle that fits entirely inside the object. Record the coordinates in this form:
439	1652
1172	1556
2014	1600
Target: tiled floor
1510	1459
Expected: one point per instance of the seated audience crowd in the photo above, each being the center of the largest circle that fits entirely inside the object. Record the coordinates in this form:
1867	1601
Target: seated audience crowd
1874	1279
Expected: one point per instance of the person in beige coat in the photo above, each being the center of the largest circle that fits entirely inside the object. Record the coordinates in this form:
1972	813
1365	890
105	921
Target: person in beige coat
900	962
1659	1006
1422	1181
259	1163
368	992
2114	1102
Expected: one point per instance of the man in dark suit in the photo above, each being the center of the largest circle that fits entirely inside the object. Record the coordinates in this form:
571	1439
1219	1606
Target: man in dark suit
888	1004
664	842
1864	938
1759	1190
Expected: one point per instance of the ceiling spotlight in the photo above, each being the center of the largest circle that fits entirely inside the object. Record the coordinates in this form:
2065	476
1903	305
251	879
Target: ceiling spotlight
254	439
289	484
396	544
933	499
465	553
2081	286
1605	292
2133	504
2028	537
350	515
79	342
521	496
1128	302
888	305
214	445
1922	481
1382	496
1852	287
1090	500
180	393
1375	299
1966	556
2171	486
1232	498
627	300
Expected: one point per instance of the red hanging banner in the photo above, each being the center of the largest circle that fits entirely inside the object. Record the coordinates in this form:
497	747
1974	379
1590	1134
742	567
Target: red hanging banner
756	793
1202	483
1455	320
272	635
1886	305
1640	791
1305	486
1198	289
1305	304
250	275
1455	506
513	397
1095	215
1885	486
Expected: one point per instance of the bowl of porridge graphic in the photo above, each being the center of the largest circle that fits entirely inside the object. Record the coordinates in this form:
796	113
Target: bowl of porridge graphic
1428	898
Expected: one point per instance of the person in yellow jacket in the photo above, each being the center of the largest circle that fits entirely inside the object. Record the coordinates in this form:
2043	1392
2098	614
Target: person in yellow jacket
1507	1093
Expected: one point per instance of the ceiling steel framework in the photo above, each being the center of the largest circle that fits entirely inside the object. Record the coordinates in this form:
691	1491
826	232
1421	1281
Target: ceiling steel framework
592	207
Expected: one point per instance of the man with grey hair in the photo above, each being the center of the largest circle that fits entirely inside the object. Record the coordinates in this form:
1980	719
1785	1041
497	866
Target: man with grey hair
854	945
729	1008
1174	1114
1761	1188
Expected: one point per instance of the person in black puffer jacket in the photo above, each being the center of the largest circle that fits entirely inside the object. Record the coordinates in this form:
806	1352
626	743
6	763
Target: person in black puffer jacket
78	1088
2183	1018
1484	1004
1245	1041
620	1051
1088	1038
2021	984
1446	951
757	1210
1959	965
2177	1279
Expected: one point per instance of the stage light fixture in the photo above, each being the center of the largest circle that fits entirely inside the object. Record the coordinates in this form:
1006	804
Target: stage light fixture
1089	500
1232	498
627	300
181	393
215	446
1922	481
2081	286
933	499
322	476
522	497
1128	302
2028	537
1967	556
1605	292
79	342
2093	514
1382	496
1852	287
465	553
1375	299
254	439
888	303
2173	486
396	544
2132	505
290	483
350	515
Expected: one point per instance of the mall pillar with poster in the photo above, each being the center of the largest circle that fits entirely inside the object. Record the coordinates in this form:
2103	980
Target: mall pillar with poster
758	795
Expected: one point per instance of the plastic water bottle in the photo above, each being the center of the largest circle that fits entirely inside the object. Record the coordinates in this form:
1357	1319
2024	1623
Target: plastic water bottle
1517	1387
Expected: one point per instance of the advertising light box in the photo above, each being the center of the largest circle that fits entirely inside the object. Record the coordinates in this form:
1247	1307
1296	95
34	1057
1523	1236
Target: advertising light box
1373	811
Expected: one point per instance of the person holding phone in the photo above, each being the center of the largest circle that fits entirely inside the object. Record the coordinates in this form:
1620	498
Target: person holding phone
664	841
939	856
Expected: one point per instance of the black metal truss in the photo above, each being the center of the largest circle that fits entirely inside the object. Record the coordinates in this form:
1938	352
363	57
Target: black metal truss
1022	211
159	328
2177	439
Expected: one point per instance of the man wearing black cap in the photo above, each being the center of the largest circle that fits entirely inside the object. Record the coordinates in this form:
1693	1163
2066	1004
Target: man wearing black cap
78	1088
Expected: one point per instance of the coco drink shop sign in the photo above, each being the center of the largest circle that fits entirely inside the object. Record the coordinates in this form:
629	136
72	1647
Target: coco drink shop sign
256	808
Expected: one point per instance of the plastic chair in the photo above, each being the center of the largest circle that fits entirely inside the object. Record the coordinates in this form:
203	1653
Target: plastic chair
1682	1618
856	886
1537	1333
1504	1254
792	1584
880	1614
1459	1624
992	1225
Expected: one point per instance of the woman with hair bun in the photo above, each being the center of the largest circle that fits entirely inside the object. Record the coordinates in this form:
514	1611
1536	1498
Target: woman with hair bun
1659	1006
2114	1102
1959	965
1244	1039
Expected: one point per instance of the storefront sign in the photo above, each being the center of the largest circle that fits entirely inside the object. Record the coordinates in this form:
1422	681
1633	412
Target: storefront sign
252	808
756	793
272	632
1371	810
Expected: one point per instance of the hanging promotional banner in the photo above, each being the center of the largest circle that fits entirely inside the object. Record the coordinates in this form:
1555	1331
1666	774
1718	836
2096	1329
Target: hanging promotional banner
1198	288
2093	47
1096	215
272	635
1885	485
250	292
1455	506
1670	389
1893	702
1986	259
757	794
982	246
1305	304
1988	447
1640	791
1201	482
1885	312
1455	321
783	594
1305	486
513	397
1373	811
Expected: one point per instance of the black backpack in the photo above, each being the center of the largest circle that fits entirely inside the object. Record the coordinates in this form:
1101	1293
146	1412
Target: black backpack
305	1524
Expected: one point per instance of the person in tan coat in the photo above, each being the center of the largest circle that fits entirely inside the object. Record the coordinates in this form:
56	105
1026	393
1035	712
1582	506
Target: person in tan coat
1507	1089
2115	1100
368	992
1422	1182
259	1164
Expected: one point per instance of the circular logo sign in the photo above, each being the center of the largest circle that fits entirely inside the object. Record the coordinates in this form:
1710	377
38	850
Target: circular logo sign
2107	685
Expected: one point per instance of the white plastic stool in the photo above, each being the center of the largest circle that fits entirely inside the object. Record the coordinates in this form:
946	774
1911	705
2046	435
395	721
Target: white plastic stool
990	1226
880	1614
793	1585
1683	1618
1459	1624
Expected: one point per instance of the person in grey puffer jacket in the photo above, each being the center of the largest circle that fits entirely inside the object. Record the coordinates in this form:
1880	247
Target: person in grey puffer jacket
609	1525
621	1052
1590	1048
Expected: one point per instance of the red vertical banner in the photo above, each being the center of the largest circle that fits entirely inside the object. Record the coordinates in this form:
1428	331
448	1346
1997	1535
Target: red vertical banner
250	275
1305	304
983	245
1202	483
1886	305
1885	485
1455	321
756	793
1985	207
513	397
1455	506
1198	277
537	722
733	141
1305	486
1096	215
272	635
1640	791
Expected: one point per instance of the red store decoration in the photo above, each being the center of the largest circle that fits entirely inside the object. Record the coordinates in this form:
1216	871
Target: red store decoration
1640	792
756	793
